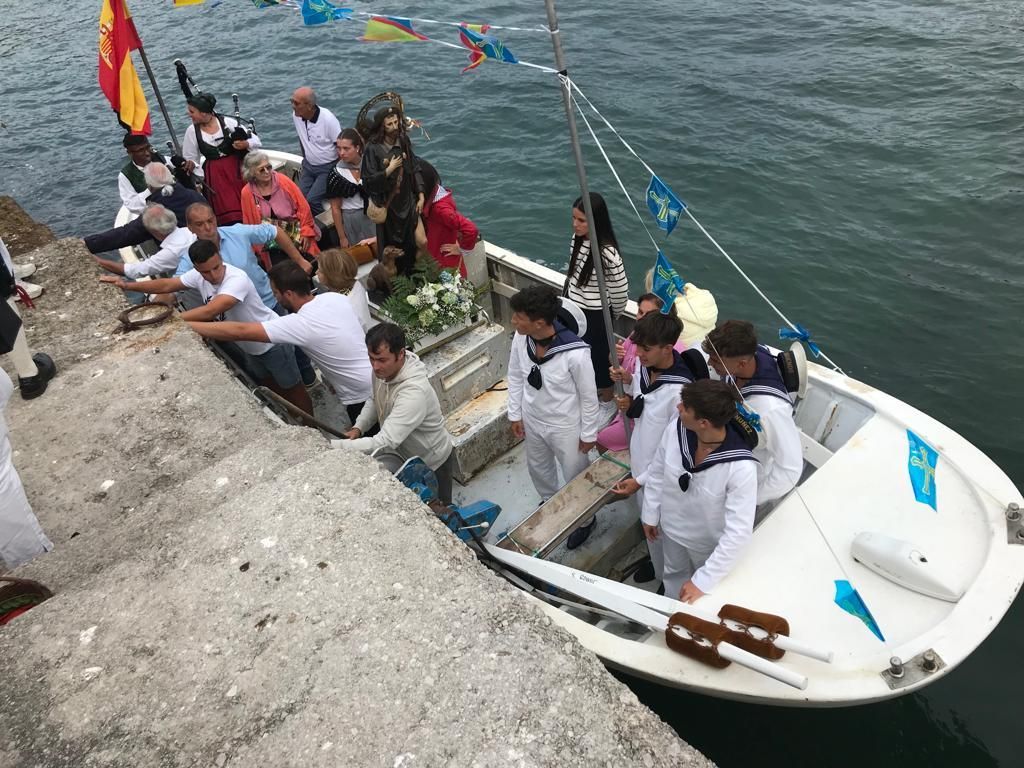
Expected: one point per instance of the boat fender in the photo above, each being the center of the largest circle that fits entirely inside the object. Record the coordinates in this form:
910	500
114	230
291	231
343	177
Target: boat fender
742	638
696	363
696	638
903	563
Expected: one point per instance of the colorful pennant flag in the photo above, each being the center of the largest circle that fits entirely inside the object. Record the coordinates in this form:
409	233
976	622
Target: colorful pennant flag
118	79
315	12
480	29
179	3
663	204
849	600
921	464
390	29
667	283
272	3
482	46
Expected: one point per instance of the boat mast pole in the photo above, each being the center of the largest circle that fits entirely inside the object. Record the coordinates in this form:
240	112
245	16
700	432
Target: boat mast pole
581	172
159	99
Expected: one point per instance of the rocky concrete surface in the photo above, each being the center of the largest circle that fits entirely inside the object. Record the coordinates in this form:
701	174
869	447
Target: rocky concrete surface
229	592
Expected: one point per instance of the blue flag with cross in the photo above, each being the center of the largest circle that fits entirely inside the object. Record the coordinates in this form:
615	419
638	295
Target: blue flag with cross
921	464
663	204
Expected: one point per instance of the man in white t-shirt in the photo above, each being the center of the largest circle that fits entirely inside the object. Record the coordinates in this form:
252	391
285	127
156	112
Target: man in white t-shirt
229	294
318	129
324	326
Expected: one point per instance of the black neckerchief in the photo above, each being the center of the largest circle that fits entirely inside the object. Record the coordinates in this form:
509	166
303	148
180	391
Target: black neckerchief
766	379
733	448
678	373
563	340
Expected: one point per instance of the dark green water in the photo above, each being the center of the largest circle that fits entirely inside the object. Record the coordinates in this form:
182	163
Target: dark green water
860	160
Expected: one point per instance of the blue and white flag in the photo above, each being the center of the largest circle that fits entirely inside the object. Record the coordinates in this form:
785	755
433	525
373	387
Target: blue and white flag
316	12
849	600
667	283
921	464
663	204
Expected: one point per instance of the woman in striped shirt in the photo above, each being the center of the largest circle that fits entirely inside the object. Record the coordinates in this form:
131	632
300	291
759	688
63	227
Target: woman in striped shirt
581	284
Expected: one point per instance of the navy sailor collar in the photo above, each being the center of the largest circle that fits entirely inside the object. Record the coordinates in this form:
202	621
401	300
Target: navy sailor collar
733	448
677	373
766	379
564	340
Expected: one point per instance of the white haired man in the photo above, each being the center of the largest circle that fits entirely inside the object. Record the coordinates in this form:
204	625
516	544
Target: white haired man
162	226
164	189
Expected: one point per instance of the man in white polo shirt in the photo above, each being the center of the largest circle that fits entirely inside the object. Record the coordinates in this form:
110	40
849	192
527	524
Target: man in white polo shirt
325	326
318	129
229	294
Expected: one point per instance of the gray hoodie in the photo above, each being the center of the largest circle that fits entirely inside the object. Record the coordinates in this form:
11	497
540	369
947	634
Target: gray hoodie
409	414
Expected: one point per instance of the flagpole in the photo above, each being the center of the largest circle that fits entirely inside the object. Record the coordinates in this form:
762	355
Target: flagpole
159	98
581	172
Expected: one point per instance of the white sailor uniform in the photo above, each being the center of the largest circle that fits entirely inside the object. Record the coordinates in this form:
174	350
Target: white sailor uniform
779	450
556	399
653	408
704	528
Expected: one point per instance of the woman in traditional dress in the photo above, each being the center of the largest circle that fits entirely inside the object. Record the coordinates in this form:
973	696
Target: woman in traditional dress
581	286
271	197
345	192
213	149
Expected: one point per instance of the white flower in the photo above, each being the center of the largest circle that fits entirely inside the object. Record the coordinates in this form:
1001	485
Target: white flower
449	299
413	299
427	316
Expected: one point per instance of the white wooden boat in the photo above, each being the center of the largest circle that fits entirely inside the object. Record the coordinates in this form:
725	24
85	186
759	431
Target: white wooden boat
937	581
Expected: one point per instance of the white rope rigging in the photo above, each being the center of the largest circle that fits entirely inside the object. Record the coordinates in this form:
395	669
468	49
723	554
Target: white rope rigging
692	218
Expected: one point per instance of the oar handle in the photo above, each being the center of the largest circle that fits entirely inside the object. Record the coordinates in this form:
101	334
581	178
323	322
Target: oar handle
765	667
787	643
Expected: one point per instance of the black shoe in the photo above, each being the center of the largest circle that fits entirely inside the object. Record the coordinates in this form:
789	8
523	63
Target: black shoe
644	573
577	537
661	588
33	386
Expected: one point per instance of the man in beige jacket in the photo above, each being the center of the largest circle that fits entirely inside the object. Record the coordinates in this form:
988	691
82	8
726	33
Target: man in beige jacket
406	408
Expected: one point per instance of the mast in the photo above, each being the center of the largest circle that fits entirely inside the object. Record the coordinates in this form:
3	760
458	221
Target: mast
581	172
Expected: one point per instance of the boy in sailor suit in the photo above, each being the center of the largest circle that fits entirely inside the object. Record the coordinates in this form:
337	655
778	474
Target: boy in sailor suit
700	491
653	394
552	397
732	348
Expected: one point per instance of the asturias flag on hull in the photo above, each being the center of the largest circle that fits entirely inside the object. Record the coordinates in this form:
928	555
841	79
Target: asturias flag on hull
118	79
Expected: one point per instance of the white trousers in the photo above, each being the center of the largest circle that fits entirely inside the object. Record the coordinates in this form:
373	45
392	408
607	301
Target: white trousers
546	446
21	537
21	355
679	563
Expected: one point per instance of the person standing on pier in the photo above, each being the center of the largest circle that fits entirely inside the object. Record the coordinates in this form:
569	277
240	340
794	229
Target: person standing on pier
552	399
581	286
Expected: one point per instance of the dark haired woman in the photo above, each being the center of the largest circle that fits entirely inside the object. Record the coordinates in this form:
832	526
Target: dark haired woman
581	285
449	234
345	191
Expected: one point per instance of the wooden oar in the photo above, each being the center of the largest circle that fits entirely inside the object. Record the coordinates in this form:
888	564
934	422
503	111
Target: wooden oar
588	587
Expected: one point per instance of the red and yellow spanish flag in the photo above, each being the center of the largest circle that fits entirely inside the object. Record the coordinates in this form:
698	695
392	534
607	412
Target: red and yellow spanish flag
118	79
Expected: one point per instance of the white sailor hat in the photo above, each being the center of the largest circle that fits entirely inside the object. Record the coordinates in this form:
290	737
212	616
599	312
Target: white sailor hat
572	317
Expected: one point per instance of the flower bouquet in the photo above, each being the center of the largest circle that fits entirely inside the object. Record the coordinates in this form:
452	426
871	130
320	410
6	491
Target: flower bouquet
430	302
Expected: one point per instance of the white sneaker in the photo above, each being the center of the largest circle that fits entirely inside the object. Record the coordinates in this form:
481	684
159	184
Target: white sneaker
31	289
21	271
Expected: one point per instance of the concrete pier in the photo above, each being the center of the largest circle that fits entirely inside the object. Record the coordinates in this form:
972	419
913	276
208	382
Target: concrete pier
229	592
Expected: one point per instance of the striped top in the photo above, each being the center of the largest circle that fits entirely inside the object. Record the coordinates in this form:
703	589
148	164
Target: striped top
588	296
